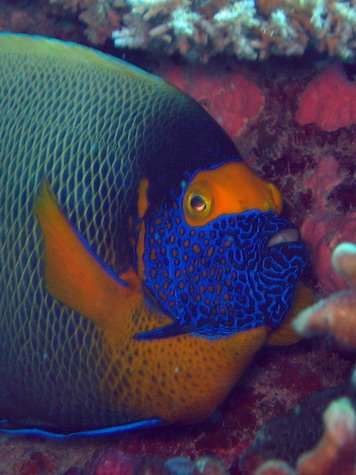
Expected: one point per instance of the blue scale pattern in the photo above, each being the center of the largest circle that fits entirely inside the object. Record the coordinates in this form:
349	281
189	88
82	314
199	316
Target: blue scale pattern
221	278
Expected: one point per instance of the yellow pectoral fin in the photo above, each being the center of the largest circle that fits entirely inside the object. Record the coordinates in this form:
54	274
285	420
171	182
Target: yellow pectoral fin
285	334
73	274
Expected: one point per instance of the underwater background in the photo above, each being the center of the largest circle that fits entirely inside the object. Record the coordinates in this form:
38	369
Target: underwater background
279	77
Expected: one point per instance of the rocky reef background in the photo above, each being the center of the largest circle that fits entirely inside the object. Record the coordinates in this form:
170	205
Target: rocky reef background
279	77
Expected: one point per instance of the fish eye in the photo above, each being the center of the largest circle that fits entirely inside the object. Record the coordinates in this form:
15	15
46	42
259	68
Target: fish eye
197	203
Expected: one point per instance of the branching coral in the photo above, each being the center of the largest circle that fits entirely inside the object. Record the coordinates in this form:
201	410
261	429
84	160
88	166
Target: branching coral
200	29
337	314
335	452
100	16
327	416
245	28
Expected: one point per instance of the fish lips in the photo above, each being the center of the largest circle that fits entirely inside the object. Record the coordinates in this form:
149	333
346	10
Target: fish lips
287	242
284	236
283	255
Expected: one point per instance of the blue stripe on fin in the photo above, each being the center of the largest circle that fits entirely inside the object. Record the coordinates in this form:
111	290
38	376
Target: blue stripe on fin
85	433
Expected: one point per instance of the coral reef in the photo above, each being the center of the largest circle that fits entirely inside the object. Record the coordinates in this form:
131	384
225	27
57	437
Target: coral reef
112	463
230	97
289	437
337	314
325	228
329	101
298	430
196	29
200	29
314	168
101	17
335	452
39	17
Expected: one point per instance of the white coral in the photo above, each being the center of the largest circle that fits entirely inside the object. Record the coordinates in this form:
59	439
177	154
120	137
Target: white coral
242	12
238	28
183	21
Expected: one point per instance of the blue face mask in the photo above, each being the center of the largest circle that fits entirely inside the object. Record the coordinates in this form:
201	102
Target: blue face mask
233	274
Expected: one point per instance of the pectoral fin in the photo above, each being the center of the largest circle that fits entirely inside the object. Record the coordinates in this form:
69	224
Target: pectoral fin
73	273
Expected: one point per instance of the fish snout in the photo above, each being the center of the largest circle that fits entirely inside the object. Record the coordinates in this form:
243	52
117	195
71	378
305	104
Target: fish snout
288	235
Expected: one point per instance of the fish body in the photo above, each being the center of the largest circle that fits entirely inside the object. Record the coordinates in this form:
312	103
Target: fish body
143	263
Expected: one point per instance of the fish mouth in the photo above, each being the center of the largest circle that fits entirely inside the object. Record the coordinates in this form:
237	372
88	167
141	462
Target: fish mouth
284	236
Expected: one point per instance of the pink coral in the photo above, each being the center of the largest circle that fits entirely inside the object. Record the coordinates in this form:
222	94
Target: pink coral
230	97
286	436
326	176
335	453
112	462
325	229
337	314
275	467
329	101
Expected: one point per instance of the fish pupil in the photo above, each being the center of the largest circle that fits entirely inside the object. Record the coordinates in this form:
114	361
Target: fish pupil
197	203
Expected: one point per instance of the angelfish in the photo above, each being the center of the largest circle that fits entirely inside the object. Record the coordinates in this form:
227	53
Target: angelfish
143	263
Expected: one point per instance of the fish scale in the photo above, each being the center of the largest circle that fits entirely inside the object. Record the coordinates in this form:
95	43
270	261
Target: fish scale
28	353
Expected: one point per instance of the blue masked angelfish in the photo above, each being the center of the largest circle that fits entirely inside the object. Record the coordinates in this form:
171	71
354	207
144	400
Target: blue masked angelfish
143	264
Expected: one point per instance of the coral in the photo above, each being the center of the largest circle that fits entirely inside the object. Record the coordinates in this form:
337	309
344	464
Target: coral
336	450
335	453
230	97
337	314
112	462
324	228
324	231
329	101
245	28
36	463
288	437
297	431
101	17
315	171
200	29
38	17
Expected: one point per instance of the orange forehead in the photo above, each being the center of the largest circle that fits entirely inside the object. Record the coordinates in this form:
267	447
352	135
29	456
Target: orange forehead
229	189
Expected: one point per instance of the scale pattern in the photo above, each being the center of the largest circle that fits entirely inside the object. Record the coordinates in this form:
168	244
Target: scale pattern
93	127
88	130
